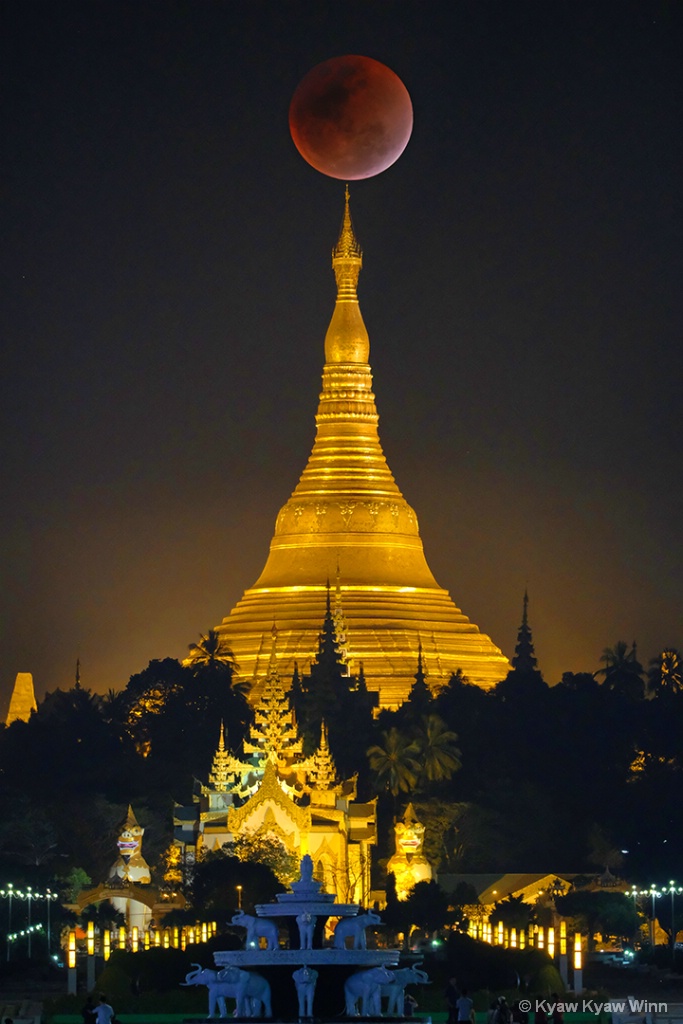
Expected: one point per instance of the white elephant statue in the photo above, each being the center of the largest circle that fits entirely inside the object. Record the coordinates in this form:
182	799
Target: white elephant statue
365	986
257	928
306	923
355	927
395	990
256	1000
242	986
305	979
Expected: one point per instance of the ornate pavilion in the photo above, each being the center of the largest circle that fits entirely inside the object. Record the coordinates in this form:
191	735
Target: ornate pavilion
276	791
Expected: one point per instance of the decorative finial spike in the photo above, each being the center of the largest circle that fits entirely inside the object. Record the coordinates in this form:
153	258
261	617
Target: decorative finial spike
347	247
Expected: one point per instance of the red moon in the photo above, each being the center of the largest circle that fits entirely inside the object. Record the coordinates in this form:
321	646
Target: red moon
351	117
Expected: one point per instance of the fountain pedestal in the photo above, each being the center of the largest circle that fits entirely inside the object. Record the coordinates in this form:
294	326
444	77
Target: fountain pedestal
332	966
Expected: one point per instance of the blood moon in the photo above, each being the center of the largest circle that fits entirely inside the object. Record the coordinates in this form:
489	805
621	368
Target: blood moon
351	117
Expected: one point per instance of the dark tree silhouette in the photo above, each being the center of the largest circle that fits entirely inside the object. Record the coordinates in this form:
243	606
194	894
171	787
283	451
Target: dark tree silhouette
622	671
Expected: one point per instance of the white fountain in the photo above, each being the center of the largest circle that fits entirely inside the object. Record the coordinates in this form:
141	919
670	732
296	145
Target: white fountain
306	904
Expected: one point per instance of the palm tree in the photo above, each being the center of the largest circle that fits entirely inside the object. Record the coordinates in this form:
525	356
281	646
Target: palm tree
211	651
395	763
665	674
622	670
439	756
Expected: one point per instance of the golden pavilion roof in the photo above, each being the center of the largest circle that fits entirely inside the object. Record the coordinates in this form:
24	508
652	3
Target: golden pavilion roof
347	520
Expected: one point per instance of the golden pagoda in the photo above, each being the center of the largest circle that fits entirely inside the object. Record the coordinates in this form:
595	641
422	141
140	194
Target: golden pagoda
348	521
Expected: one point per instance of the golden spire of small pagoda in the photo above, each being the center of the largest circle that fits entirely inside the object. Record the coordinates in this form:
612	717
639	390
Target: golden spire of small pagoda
322	771
225	767
219	774
274	736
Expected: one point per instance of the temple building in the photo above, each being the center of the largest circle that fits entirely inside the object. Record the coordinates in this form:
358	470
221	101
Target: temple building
279	793
347	522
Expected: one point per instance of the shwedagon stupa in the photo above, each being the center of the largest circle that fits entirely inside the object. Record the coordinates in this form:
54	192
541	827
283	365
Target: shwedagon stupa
347	526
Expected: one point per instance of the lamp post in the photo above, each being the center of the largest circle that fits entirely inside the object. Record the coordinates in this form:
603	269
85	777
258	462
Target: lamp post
673	890
29	897
49	896
654	893
7	894
578	964
71	964
239	896
564	972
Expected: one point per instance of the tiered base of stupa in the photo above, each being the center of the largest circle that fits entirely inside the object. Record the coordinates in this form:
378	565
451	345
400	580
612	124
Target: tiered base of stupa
385	628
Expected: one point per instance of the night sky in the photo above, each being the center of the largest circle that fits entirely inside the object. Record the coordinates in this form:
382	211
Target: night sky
167	287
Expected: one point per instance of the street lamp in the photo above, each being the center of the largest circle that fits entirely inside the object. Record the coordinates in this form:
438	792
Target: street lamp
654	893
239	896
7	894
49	896
29	897
673	889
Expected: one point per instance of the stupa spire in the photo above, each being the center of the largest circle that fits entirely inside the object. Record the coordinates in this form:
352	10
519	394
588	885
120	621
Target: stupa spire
347	338
321	766
220	768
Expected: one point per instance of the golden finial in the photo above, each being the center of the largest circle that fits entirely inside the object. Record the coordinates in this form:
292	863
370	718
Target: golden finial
347	247
347	340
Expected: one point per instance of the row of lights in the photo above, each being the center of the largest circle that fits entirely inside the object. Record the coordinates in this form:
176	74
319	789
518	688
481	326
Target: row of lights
541	938
27	894
15	936
176	938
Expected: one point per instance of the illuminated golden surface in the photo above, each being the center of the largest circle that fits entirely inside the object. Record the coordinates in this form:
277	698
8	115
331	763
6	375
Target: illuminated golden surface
23	700
348	520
